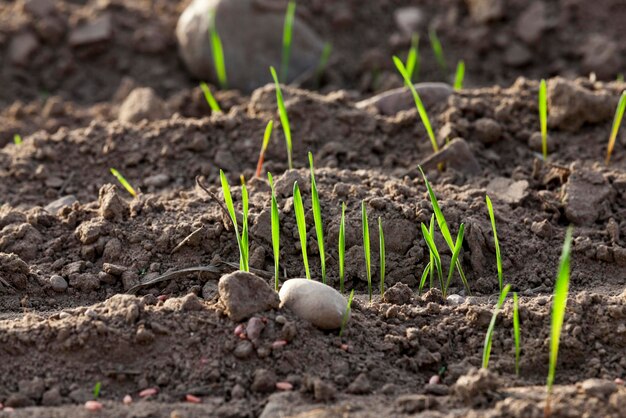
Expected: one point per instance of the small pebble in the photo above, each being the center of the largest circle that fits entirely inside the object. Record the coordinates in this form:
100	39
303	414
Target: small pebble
284	386
127	400
192	399
344	347
434	380
93	406
254	328
279	344
619	381
314	301
239	330
58	283
280	319
148	392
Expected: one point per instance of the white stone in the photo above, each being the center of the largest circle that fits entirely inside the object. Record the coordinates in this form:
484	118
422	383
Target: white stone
314	301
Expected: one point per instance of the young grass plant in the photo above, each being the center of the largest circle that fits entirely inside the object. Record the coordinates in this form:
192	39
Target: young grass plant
459	76
543	118
495	241
96	390
617	121
413	58
228	200
275	231
516	332
124	182
346	314
301	222
208	96
17	139
317	217
381	242
366	248
435	44
435	263
429	270
266	140
445	231
559	303
418	102
284	119
218	54
342	247
492	325
287	36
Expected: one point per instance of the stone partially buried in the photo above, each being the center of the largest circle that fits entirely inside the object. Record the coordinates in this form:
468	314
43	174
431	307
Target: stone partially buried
244	294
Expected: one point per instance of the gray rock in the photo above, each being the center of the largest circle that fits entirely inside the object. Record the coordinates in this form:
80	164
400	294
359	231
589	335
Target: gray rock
599	388
254	328
508	190
393	101
243	350
360	386
398	294
22	47
32	388
251	39
95	31
457	155
531	23
141	103
409	20
455	300
584	196
58	283
323	391
55	206
314	301
244	294
473	386
39	8
52	397
112	206
263	381
483	11
601	55
543	229
487	130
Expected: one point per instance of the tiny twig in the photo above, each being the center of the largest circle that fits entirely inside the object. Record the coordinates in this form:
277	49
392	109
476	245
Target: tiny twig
186	240
173	274
218	201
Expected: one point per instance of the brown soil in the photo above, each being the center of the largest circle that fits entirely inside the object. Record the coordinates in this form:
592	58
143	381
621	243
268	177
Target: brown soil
55	346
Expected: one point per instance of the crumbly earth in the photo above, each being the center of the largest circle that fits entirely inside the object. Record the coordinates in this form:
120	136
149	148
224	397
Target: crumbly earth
79	302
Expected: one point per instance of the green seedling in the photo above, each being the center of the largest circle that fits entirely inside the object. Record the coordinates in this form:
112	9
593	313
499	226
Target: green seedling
413	58
617	121
459	76
435	264
443	227
435	44
418	102
495	241
266	140
321	66
429	270
559	303
287	36
366	248
543	117
218	54
301	222
317	217
242	244
244	229
492	325
381	242
208	96
284	119
124	182
342	247
456	251
346	314
96	390
275	231
516	332
17	139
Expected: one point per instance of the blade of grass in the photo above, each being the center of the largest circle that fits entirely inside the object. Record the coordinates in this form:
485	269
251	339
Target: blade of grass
418	102
266	140
342	247
275	232
425	273
381	242
245	245
287	36
431	230
233	216
495	240
218	54
124	182
284	119
430	241
617	121
492	325
17	139
435	44
301	222
459	76
317	217
516	331
321	66
543	117
96	390
346	314
455	255
366	248
208	96
413	58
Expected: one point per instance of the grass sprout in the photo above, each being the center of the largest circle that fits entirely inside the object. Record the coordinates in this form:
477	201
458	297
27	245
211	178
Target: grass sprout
124	182
495	241
284	119
413	58
418	102
459	75
559	303
381	241
287	36
429	269
96	390
443	227
435	44
218	54
346	314
266	140
342	247
617	121
317	217
208	96
543	117
323	63
366	248
516	332
301	222
492	325
458	245
17	139
228	200
436	258
275	231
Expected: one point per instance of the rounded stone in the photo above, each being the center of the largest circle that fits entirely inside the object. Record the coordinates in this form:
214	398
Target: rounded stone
58	284
314	301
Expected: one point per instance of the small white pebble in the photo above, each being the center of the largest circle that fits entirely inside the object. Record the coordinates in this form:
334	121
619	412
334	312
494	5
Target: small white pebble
434	380
127	400
279	344
284	386
93	406
148	392
192	399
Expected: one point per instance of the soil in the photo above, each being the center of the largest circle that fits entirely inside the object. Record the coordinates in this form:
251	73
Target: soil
79	303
